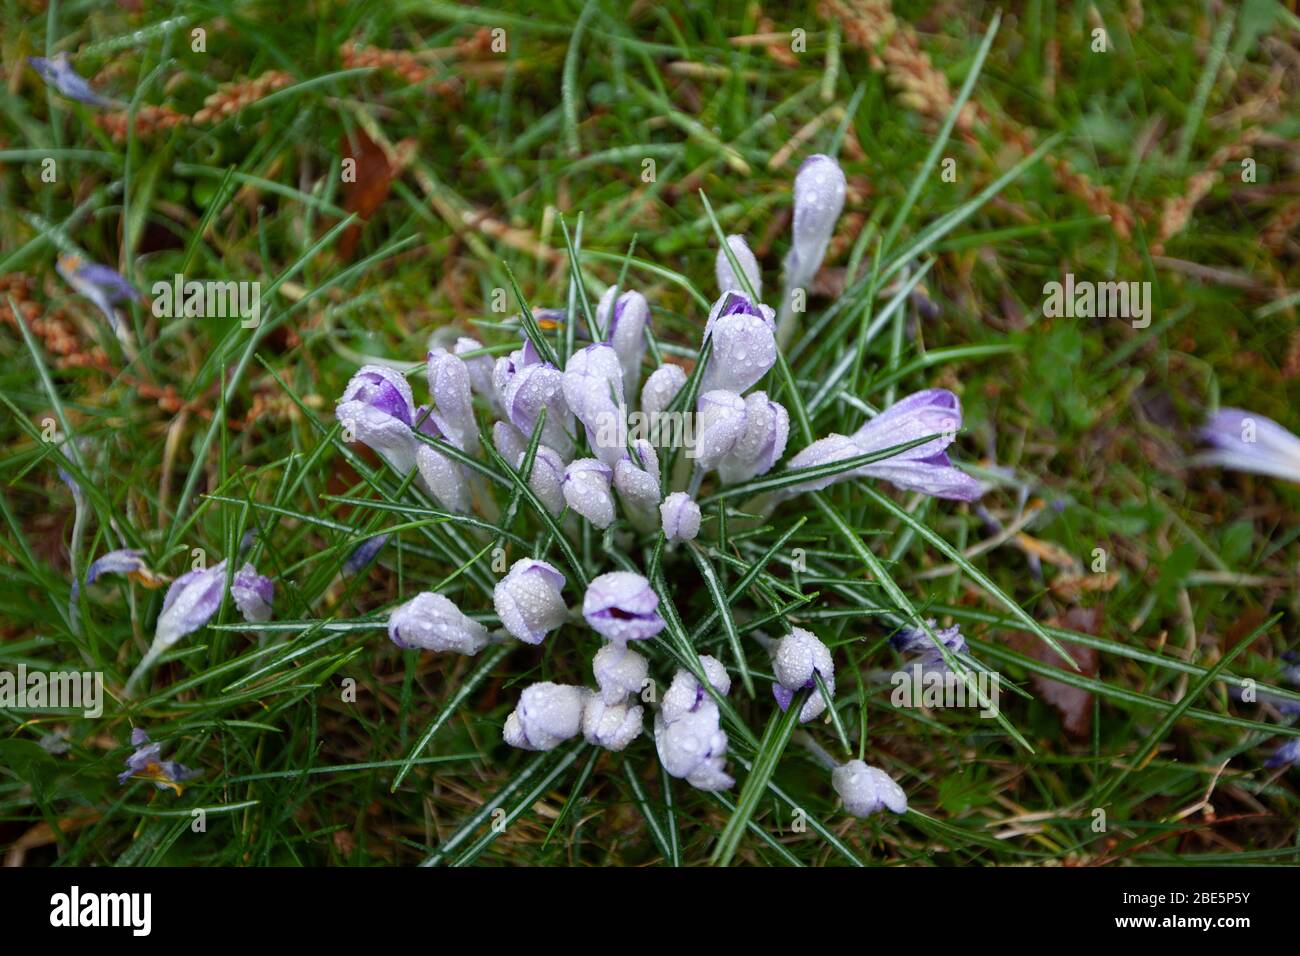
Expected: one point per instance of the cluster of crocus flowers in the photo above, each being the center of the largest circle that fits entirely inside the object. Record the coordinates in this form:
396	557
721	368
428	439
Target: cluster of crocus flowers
915	640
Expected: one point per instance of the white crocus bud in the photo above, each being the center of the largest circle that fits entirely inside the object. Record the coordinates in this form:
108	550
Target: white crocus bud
587	491
727	279
620	672
866	790
799	657
547	478
819	191
721	422
433	623
480	371
449	384
528	600
612	726
686	693
661	388
547	715
624	321
761	444
681	517
636	478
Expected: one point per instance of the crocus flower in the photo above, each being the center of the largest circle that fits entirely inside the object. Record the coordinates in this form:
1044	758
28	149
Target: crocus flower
508	441
761	444
189	604
925	468
432	622
534	387
636	479
799	658
625	324
547	715
744	346
127	561
727	279
688	732
612	726
453	401
720	423
252	593
480	371
1288	753
364	553
442	477
622	607
1244	441
100	284
146	762
819	189
866	790
661	388
587	490
620	672
547	478
681	517
593	390
528	600
57	71
378	409
686	693
914	640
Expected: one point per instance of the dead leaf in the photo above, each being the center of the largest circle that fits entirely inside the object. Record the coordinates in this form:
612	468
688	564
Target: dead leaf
1072	704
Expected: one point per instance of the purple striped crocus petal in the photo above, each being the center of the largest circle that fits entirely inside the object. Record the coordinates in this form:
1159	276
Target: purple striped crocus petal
479	369
364	553
680	516
587	490
744	350
387	435
547	478
190	603
823	451
761	444
431	622
253	594
127	561
622	607
57	72
383	389
625	324
593	391
1244	441
932	411
533	388
720	417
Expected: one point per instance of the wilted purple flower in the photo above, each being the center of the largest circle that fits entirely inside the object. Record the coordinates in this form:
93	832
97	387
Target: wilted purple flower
547	478
57	71
528	600
100	284
146	762
622	607
625	327
799	658
252	593
720	423
727	279
587	490
612	726
377	408
636	478
1288	753
744	346
442	477
866	790
761	444
128	562
819	189
432	622
480	370
686	693
593	390
1244	441
914	640
547	715
620	672
190	603
453	401
364	553
681	517
661	388
925	468
532	388
688	732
